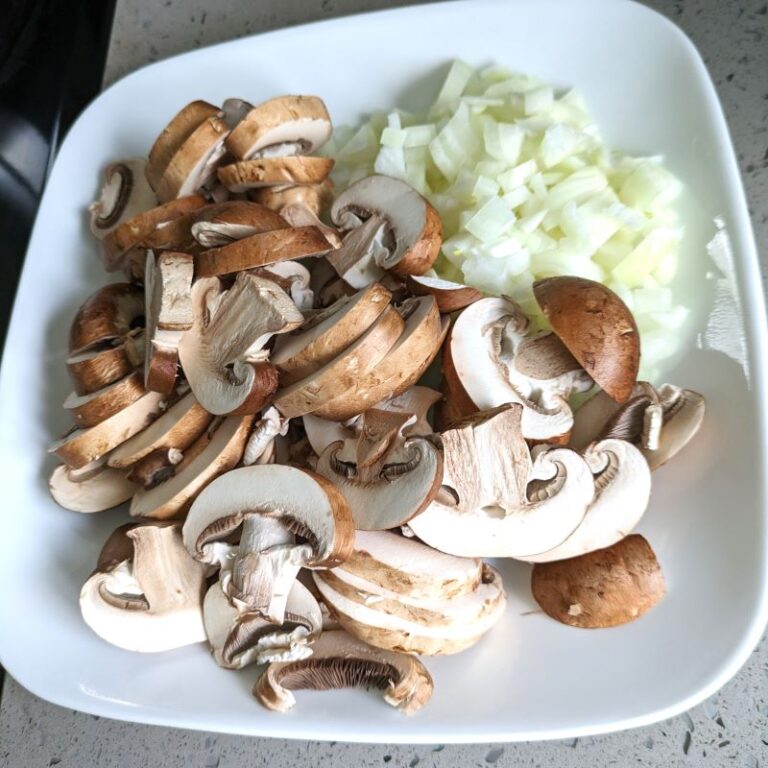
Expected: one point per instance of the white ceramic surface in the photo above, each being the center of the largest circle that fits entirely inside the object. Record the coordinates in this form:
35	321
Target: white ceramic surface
531	678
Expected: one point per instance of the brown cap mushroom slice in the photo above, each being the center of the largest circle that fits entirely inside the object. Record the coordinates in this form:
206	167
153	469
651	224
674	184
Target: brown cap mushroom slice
286	125
103	490
223	223
91	409
328	333
605	588
178	427
340	661
168	299
403	365
229	330
261	250
155	468
386	477
597	327
260	448
293	278
390	226
242	637
274	172
269	505
337	376
450	296
301	215
82	446
109	314
125	194
106	362
217	450
503	503
146	593
396	621
316	197
481	369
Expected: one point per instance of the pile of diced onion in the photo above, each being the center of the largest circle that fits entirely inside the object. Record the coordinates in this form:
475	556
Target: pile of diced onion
527	189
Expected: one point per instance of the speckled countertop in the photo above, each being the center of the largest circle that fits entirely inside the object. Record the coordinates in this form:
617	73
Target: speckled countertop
730	729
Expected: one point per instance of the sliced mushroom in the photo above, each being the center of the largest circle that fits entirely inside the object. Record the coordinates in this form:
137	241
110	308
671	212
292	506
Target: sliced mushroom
106	316
402	367
597	328
386	477
261	250
260	447
105	489
605	588
125	194
328	333
286	125
242	637
270	505
223	223
91	409
217	450
229	330
169	312
491	358
106	362
274	172
416	400
396	621
293	278
336	377
316	197
503	503
340	661
155	468
389	226
83	446
177	428
146	593
450	297
301	215
235	110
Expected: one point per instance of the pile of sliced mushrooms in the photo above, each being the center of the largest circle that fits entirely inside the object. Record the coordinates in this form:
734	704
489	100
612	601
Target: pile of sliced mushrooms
256	385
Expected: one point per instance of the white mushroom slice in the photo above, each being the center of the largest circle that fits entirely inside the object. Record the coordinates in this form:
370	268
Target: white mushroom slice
213	453
321	432
481	370
223	223
340	661
105	489
622	491
177	428
83	446
95	368
301	215
239	638
262	250
500	503
386	477
91	409
316	197
268	504
402	367
343	372
426	627
450	297
274	172
399	229
328	333
125	194
228	332
146	593
260	447
293	278
287	125
110	314
168	299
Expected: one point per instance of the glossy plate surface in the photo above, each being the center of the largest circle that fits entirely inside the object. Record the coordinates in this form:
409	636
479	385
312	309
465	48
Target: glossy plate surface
531	678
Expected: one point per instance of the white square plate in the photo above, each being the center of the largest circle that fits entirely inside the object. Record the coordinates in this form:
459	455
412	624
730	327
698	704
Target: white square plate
531	678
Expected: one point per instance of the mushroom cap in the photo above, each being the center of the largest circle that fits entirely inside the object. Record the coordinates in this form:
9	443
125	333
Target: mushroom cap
95	368
316	197
146	593
108	314
412	228
303	501
604	588
286	125
105	489
91	409
274	172
222	223
213	453
403	365
340	661
328	334
450	296
597	327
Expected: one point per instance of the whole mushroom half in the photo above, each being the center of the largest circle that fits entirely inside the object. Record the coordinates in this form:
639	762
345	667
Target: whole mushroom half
146	592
